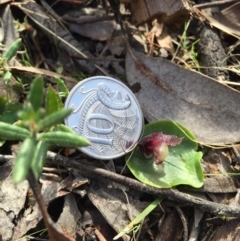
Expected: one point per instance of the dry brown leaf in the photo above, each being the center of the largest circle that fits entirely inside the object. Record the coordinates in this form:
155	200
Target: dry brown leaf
12	200
13	196
170	11
171	221
53	232
28	219
165	41
116	205
6	227
167	91
98	30
224	233
51	190
162	36
226	20
116	44
67	221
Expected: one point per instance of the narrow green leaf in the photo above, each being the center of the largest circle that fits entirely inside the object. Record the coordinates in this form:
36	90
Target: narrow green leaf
7	77
3	104
62	127
139	218
64	139
35	96
9	54
12	132
54	118
53	101
2	142
61	85
10	114
23	160
39	158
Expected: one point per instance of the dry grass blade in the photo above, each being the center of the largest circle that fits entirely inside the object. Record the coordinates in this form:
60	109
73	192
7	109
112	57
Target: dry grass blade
45	72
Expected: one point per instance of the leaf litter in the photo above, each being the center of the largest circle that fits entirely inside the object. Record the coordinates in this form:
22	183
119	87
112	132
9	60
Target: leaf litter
186	101
208	108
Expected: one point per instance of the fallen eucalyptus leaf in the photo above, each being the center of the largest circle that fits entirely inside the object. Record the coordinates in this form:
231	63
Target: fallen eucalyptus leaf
97	30
170	11
167	91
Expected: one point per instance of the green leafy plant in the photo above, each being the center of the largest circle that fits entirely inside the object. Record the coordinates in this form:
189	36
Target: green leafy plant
180	166
7	56
186	49
39	129
6	74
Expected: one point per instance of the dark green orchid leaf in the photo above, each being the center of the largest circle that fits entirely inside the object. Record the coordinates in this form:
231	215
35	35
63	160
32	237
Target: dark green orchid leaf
181	166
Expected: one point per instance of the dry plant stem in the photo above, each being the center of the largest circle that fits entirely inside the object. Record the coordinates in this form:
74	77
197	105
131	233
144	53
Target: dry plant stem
210	234
44	72
184	223
54	235
171	194
214	4
99	235
36	44
194	233
236	153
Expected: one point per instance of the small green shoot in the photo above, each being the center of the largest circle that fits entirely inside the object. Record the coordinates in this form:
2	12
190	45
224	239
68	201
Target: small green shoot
186	50
139	218
5	72
7	77
37	126
40	232
12	50
63	88
25	59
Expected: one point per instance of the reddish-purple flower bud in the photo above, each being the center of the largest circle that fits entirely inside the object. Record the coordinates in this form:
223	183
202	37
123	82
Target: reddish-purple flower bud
157	144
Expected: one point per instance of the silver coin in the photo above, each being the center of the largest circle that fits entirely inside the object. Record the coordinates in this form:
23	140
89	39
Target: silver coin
107	113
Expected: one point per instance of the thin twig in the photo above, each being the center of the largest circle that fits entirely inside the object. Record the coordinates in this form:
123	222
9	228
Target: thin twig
214	4
94	172
171	194
53	233
184	223
236	153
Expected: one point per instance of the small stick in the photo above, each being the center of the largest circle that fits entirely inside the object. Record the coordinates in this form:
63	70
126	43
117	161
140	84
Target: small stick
88	170
184	223
214	4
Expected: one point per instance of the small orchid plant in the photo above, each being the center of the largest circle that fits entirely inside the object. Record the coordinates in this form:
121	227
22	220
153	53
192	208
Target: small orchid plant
157	144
